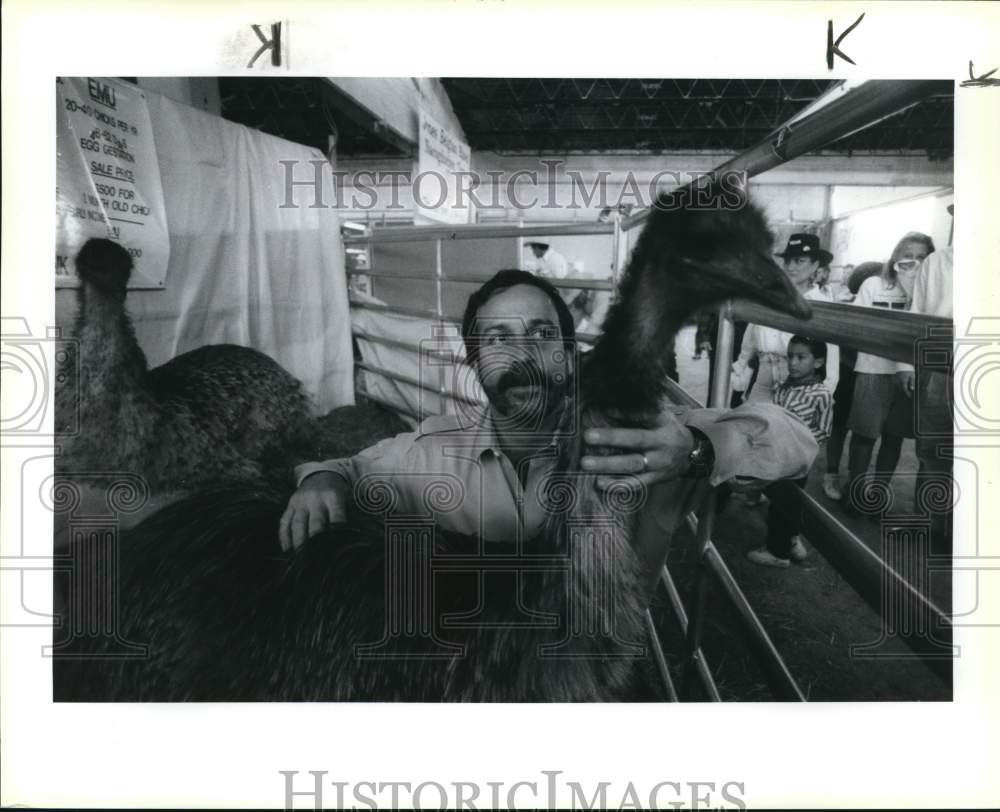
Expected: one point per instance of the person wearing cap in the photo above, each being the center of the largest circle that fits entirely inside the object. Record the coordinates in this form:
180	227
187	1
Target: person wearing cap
803	257
548	262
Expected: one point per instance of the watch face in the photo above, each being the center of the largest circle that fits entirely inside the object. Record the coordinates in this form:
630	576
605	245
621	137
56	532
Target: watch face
701	457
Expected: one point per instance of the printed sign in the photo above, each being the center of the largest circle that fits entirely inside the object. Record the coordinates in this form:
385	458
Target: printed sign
442	174
108	178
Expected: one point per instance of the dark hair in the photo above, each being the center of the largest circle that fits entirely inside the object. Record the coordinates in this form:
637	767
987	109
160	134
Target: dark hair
815	346
502	280
888	271
861	273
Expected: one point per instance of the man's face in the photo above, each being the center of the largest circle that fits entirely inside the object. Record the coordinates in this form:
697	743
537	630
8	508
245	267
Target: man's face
538	251
523	365
800	269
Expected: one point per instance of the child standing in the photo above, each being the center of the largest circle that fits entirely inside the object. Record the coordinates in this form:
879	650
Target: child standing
806	396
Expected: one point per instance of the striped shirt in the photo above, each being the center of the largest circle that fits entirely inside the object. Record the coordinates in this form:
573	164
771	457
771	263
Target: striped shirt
811	403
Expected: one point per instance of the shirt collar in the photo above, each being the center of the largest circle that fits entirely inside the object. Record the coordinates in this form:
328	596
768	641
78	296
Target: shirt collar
486	438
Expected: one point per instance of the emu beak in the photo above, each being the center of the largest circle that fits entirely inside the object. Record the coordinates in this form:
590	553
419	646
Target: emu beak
801	309
778	292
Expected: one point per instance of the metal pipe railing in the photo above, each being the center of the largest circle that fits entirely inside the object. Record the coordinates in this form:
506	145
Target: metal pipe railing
424	313
679	395
887	334
444	355
890	334
411	381
439	312
478	232
859	107
574	283
706	516
875	580
780	678
400	310
706	520
383	275
661	661
680	614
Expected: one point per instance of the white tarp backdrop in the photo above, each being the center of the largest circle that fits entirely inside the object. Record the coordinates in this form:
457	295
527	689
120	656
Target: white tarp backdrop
244	269
456	377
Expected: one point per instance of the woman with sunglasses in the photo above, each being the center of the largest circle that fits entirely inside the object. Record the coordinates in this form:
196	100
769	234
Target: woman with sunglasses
880	408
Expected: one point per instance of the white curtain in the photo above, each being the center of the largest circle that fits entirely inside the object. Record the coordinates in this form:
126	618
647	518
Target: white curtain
244	270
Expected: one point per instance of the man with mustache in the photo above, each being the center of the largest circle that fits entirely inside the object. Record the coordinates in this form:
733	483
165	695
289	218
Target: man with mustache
519	339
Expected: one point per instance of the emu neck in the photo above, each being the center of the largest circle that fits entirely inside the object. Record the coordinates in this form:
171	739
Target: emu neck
112	365
627	368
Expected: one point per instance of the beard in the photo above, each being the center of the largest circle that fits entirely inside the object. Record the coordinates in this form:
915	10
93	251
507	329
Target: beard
525	397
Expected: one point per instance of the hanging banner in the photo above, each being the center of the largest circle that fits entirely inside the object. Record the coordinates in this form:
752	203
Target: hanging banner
439	187
108	178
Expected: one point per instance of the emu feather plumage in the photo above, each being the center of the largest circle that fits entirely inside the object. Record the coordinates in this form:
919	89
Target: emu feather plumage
226	616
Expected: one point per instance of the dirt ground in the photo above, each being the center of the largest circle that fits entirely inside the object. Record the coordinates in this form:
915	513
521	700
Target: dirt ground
812	615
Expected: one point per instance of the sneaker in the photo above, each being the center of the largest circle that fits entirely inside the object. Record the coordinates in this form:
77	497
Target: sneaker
763	557
830	487
798	551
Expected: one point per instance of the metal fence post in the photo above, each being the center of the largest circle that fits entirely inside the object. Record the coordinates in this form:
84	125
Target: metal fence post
439	308
706	515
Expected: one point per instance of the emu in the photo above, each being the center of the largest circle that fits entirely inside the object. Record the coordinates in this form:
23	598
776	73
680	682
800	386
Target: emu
218	413
227	616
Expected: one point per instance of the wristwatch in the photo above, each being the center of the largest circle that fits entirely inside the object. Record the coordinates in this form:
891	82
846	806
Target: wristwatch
701	460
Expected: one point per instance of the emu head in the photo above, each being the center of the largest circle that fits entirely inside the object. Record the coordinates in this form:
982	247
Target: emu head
723	252
105	265
696	250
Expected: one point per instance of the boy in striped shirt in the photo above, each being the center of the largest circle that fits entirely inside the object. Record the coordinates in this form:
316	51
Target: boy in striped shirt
806	396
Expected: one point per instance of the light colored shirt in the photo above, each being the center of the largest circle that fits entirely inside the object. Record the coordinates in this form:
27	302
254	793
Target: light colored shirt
452	470
932	290
553	265
876	292
770	345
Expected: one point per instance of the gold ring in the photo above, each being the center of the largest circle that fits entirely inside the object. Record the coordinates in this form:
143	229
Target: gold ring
645	463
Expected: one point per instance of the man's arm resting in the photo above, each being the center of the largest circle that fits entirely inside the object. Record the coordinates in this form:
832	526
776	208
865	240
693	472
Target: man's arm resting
325	489
320	500
755	441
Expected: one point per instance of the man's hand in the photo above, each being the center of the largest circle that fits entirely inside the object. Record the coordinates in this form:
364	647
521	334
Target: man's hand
665	448
905	379
319	502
